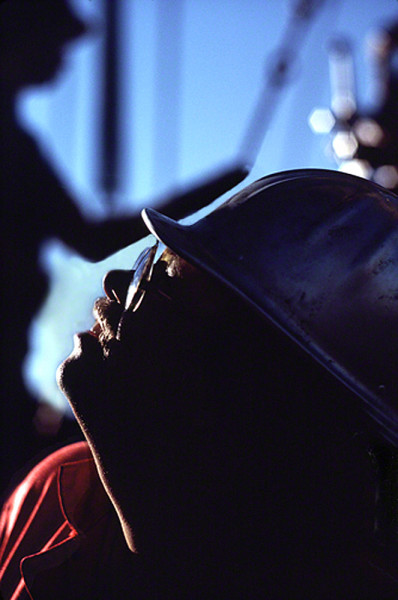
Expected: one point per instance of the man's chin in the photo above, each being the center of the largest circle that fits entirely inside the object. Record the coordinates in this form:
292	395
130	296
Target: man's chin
85	364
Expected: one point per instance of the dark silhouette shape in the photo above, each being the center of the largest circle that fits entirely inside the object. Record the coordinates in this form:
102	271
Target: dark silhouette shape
35	206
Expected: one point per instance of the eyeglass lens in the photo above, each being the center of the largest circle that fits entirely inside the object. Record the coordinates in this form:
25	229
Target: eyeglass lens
143	269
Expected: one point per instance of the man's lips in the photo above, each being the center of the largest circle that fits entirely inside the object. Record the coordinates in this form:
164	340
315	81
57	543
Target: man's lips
97	342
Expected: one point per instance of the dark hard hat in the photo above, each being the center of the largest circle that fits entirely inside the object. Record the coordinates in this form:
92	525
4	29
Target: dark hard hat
316	252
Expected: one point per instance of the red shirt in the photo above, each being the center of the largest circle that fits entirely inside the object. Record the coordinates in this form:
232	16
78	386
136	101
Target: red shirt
60	536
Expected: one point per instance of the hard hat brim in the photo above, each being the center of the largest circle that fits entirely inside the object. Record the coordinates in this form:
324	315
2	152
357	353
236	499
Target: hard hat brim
316	252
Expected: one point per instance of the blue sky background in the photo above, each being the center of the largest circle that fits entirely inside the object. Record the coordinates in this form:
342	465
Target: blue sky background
192	71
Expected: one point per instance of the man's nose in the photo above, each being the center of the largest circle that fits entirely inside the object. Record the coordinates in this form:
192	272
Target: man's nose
116	283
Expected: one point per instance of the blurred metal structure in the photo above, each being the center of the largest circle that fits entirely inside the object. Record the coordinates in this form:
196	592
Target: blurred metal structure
110	97
360	143
279	67
169	60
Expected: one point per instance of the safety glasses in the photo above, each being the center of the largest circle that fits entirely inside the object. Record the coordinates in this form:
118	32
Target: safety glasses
143	269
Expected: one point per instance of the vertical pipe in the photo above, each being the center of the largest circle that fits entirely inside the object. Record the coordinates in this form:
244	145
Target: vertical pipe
168	91
109	175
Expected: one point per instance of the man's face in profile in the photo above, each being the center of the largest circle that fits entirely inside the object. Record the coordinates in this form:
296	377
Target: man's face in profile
155	351
143	388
